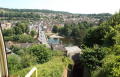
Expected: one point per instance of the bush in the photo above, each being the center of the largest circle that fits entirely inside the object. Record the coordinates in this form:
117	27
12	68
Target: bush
15	49
116	49
110	68
28	60
33	33
14	63
42	53
92	57
25	38
8	38
8	32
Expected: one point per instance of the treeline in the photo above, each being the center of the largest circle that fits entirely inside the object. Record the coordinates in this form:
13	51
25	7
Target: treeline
36	10
100	15
73	31
16	15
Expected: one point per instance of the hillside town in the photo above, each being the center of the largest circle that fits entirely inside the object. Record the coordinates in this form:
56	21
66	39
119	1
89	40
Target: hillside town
58	44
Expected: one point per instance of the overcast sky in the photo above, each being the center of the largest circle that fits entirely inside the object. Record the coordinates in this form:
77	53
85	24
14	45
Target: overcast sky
73	6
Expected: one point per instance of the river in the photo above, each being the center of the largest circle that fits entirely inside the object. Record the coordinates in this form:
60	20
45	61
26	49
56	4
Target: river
64	41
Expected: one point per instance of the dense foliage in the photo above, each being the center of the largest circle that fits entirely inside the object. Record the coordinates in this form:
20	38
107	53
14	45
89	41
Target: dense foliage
76	32
42	53
19	33
55	29
92	57
104	60
6	14
26	57
53	68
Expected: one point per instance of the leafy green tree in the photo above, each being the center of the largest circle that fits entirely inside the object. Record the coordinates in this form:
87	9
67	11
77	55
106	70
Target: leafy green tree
67	30
33	33
75	31
8	32
42	53
15	37
92	57
116	49
18	30
108	35
97	35
55	29
110	39
113	21
78	35
111	67
23	26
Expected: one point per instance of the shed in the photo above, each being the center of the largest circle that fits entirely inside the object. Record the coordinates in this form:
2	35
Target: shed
73	52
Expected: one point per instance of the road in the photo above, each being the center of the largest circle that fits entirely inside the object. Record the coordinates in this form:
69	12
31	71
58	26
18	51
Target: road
42	37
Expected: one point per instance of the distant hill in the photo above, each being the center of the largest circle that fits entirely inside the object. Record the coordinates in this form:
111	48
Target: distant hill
36	14
51	11
35	10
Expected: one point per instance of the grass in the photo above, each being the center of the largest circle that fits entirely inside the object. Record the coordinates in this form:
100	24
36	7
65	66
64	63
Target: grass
53	68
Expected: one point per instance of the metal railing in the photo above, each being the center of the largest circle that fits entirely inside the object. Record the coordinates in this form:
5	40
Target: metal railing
32	73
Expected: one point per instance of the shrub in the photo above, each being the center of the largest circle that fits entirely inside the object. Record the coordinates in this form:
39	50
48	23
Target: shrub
33	33
110	68
15	49
116	49
8	38
14	63
92	57
42	53
25	38
28	60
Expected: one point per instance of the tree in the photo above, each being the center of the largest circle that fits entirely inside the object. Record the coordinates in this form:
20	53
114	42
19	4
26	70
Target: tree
116	49
97	35
111	67
18	30
92	57
113	21
33	33
55	29
8	32
42	53
23	26
78	35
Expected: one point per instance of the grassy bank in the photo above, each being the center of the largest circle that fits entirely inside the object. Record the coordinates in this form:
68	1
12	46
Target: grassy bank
53	68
